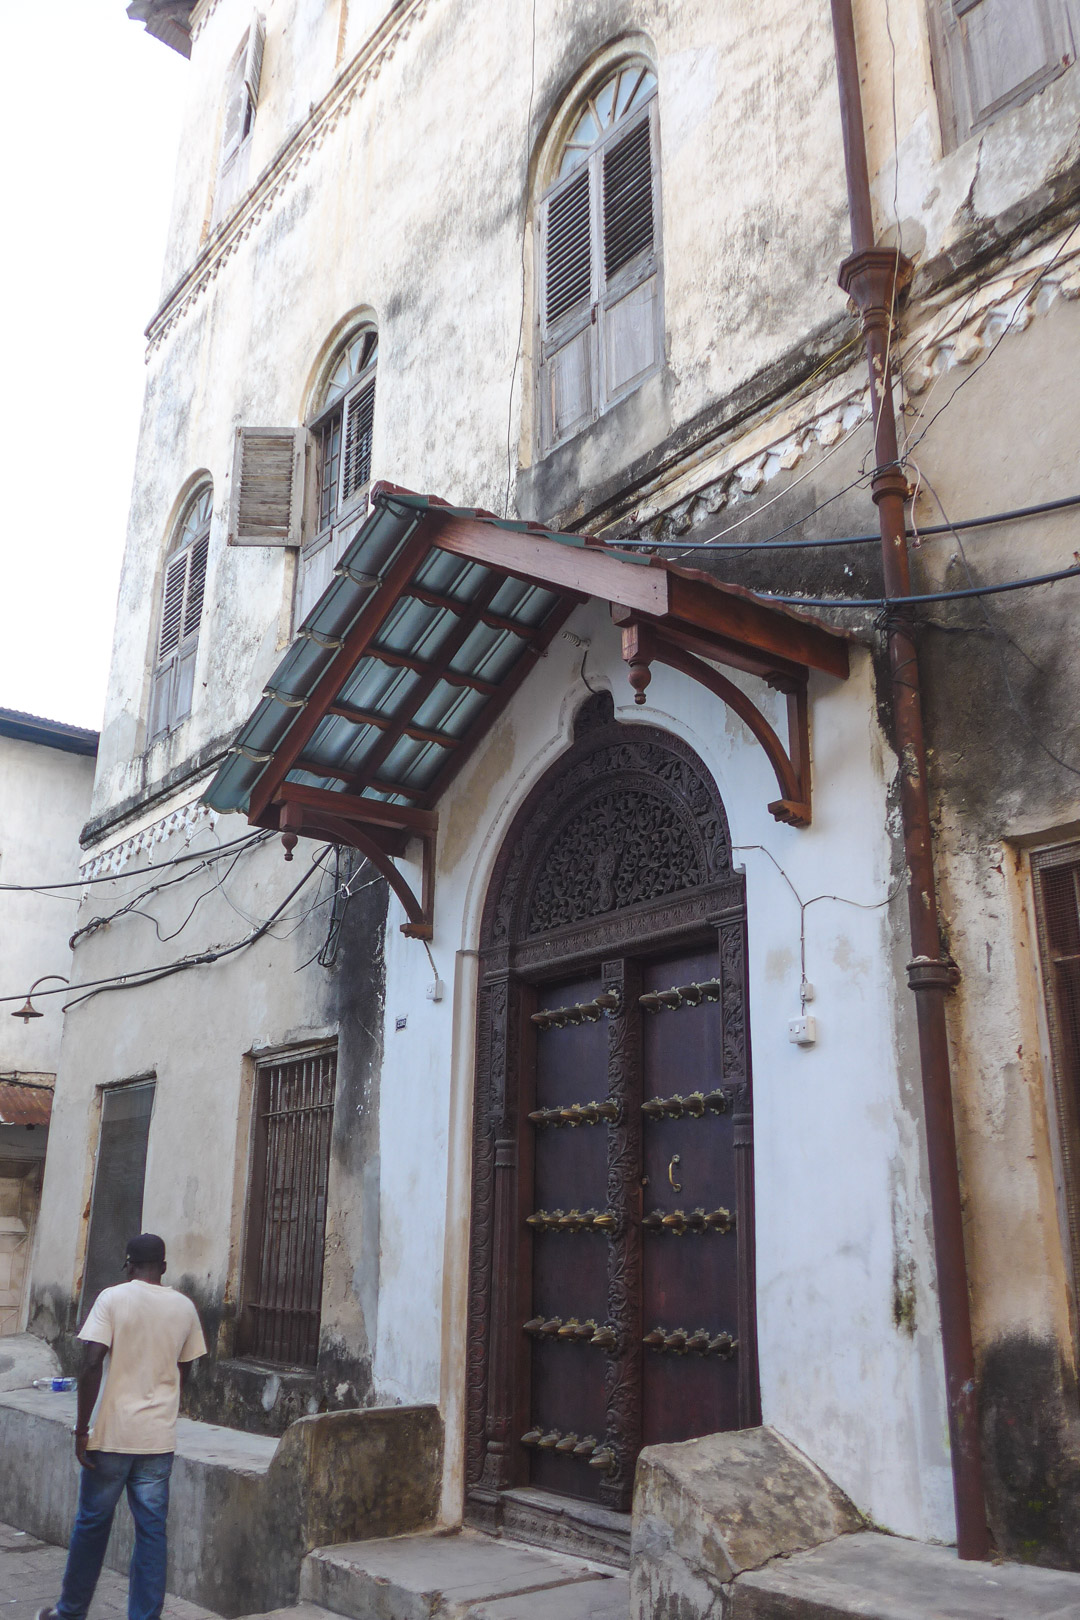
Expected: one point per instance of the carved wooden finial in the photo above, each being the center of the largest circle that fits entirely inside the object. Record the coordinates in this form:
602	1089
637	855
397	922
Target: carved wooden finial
640	674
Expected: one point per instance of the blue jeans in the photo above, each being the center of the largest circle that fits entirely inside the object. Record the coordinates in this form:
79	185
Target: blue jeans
100	1488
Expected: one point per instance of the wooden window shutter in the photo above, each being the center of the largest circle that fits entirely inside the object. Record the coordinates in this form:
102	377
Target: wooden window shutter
266	487
172	611
998	53
196	587
628	199
567	250
253	61
358	427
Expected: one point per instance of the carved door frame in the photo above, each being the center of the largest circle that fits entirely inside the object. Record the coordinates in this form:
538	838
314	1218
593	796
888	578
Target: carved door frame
533	929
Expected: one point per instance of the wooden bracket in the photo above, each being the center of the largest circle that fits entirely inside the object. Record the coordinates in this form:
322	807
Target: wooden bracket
644	645
345	819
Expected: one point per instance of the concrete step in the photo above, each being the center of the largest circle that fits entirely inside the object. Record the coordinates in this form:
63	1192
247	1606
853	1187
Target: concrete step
884	1578
460	1576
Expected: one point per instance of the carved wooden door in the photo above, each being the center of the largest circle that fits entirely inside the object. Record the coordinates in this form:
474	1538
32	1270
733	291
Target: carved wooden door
612	1276
634	1259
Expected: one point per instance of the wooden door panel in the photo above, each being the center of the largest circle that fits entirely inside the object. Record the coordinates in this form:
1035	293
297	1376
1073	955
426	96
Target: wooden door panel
690	1276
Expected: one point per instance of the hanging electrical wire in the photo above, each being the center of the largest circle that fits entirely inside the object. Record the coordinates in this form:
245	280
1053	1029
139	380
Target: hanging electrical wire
113	877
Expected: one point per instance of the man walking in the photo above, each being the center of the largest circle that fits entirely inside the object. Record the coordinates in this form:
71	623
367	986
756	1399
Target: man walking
151	1335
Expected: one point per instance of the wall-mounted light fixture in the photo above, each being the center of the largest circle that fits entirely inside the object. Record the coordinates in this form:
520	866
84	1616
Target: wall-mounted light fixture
28	1010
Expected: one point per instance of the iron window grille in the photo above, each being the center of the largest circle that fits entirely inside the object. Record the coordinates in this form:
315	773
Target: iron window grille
281	1293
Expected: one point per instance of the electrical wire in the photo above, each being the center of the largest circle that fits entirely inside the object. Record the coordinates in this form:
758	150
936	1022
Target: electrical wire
916	533
114	877
202	959
999	635
888	602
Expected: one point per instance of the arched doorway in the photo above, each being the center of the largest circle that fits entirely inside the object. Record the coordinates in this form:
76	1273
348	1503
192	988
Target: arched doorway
612	1254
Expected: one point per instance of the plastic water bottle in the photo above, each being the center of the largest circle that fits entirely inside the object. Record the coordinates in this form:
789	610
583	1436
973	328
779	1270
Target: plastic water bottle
55	1383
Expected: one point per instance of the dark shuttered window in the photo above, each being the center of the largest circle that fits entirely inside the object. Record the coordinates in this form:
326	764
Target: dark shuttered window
600	328
343	432
238	119
119	1179
286	1229
1056	874
993	54
182	599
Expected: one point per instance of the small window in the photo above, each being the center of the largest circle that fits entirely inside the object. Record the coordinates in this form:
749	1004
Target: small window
599	258
181	615
1056	874
241	100
342	438
994	54
281	1293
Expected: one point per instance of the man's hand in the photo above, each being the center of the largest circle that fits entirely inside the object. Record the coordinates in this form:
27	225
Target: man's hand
89	1384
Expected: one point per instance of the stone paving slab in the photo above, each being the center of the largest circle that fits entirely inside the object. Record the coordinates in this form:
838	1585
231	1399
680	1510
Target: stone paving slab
885	1578
454	1576
30	1576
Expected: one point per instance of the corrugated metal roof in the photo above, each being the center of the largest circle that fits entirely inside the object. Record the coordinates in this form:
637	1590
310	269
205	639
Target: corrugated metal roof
455	633
24	1103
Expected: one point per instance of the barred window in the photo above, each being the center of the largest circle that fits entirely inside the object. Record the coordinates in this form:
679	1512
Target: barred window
600	313
281	1293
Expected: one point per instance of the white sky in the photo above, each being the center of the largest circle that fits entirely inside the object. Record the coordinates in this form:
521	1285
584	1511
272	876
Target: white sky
89	124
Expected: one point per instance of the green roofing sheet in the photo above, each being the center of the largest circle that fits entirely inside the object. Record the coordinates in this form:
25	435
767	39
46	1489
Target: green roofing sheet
379	683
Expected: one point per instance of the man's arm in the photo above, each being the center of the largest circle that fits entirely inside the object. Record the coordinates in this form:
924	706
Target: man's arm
89	1385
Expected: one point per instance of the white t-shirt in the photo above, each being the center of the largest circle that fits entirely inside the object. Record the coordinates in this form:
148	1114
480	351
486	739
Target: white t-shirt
147	1328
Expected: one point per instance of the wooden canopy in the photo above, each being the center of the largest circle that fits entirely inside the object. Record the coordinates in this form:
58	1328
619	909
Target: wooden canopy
435	618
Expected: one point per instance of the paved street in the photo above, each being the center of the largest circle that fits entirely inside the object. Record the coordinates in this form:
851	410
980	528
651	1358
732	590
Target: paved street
30	1574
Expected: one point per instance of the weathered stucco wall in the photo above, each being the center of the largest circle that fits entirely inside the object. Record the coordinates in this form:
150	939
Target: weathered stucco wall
45	799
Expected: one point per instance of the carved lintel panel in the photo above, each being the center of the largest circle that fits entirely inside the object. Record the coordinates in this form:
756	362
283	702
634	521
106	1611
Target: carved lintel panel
623	1373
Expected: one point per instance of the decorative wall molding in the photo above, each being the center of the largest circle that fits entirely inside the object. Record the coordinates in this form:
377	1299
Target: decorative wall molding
201	16
187	818
272	184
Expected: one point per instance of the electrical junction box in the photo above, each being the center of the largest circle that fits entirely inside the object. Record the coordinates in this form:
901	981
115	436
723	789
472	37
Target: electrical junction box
803	1031
436	990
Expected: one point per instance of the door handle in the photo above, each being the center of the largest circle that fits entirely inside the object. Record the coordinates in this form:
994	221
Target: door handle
676	1186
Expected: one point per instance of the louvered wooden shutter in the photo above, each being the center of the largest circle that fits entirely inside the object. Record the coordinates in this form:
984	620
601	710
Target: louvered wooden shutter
172	611
628	199
357	428
266	487
253	61
196	587
567	316
629	338
568	251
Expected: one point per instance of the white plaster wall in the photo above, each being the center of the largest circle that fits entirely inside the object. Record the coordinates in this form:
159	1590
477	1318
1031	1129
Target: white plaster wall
43	805
840	1206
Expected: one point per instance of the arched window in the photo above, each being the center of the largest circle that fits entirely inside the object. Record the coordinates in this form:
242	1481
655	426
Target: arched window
181	614
241	100
599	256
342	432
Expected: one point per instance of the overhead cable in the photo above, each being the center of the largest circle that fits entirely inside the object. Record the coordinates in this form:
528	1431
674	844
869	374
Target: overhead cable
930	596
775	544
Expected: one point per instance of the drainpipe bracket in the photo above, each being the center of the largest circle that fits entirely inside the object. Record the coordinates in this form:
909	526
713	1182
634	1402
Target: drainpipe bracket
875	277
926	974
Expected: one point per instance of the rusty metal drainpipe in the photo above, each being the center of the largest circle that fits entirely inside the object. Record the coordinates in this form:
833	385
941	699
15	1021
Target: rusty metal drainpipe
873	277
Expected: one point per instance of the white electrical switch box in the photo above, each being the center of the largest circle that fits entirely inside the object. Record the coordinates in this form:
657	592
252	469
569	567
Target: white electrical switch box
435	990
803	1031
